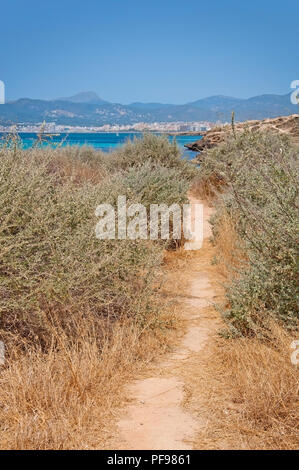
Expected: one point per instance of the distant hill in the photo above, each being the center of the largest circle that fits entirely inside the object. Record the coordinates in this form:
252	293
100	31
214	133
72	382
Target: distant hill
88	109
84	97
217	103
148	106
265	106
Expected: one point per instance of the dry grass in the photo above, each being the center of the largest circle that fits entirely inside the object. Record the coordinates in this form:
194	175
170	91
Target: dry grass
207	187
253	385
79	172
265	385
245	393
228	251
67	397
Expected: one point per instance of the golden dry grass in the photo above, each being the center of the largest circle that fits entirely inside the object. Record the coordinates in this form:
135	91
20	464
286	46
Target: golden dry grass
250	386
79	172
265	385
207	187
245	394
66	398
228	250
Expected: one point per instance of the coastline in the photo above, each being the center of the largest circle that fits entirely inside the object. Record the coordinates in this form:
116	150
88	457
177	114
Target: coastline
103	141
287	125
193	133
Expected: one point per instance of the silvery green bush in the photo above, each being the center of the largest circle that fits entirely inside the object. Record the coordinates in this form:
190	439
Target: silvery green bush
154	150
52	267
259	178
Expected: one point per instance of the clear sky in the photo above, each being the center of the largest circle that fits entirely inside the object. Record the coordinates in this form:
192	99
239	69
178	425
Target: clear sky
171	51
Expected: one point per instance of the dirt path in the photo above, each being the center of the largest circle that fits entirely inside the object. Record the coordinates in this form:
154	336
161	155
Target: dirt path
157	417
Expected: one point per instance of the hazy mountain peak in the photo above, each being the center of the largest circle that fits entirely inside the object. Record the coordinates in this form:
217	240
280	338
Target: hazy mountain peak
151	106
220	101
84	97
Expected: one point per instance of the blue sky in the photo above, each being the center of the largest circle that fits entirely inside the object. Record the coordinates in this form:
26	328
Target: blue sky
167	50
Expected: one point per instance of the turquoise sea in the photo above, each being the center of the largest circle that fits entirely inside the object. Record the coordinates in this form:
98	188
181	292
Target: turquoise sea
103	141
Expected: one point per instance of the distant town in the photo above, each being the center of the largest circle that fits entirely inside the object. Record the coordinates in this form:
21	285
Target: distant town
53	128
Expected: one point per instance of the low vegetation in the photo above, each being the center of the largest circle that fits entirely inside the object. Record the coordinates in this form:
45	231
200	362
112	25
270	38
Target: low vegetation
77	314
254	178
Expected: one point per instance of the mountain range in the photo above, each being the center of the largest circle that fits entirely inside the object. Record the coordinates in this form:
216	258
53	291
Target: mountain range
88	109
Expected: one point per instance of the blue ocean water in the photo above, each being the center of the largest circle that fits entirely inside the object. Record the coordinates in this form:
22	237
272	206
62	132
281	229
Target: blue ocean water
102	141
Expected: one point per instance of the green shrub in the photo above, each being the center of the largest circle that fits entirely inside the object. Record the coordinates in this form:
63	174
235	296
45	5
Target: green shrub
260	192
153	149
52	267
149	184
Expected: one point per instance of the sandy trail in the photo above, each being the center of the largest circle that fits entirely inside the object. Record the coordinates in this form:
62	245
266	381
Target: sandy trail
156	417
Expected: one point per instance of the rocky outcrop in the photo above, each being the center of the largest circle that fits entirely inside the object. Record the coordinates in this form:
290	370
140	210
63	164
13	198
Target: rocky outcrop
284	125
209	139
